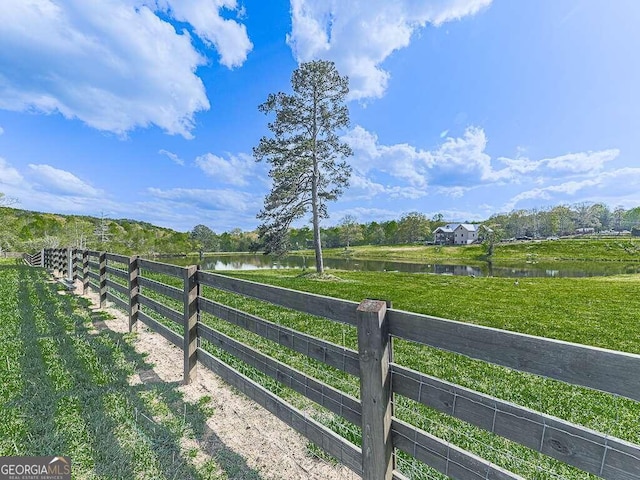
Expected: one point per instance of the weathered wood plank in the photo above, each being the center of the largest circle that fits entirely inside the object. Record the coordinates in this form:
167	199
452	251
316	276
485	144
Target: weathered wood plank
375	390
332	308
190	321
606	370
446	458
116	272
112	257
159	267
94	253
572	444
325	395
161	309
117	287
93	275
159	328
103	279
167	290
345	452
329	353
134	291
94	265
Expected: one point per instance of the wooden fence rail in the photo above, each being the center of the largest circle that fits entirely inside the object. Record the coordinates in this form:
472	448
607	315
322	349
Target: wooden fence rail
135	285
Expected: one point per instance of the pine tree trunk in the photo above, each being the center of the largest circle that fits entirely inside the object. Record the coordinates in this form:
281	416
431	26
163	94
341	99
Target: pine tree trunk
317	243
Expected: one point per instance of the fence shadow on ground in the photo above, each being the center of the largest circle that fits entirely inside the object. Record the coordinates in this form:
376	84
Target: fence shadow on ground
76	398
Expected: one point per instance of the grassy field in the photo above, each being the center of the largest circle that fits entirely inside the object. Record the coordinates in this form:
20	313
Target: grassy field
65	391
615	249
600	311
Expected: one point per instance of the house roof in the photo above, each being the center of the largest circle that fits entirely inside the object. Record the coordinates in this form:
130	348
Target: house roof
468	227
451	227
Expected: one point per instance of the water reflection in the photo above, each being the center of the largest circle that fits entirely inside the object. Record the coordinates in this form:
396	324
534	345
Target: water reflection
558	269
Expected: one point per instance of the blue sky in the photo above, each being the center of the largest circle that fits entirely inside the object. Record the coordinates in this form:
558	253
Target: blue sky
147	109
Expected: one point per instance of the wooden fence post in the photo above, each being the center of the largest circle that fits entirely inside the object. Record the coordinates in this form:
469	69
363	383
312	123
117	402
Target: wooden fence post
103	279
85	271
134	289
375	390
70	263
60	263
75	269
42	264
191	292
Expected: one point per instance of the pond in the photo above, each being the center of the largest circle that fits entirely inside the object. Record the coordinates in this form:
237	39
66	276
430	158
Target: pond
557	269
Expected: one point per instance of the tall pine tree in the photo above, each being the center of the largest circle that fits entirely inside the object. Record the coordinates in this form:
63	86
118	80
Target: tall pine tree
307	158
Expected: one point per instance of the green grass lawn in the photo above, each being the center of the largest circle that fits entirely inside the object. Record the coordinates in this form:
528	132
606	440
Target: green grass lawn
66	388
616	249
599	311
65	391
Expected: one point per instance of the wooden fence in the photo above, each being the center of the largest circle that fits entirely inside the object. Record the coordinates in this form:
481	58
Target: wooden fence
126	282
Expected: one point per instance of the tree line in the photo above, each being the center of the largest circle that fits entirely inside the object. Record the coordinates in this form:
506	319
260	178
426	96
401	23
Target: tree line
26	231
22	230
417	228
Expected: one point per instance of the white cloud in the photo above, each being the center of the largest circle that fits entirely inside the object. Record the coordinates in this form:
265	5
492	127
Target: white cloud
114	64
174	157
233	171
9	175
583	162
228	36
623	181
54	180
1	131
458	161
460	164
359	36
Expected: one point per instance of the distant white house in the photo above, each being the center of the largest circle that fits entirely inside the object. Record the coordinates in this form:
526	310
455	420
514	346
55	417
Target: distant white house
456	234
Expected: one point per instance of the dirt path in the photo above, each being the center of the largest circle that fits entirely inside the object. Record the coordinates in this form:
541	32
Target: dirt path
238	426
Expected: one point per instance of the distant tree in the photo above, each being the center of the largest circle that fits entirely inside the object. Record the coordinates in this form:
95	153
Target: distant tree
602	216
306	155
390	230
438	218
204	237
79	232
632	218
489	236
618	215
101	231
350	230
563	218
412	227
374	234
7	201
299	237
584	215
331	237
